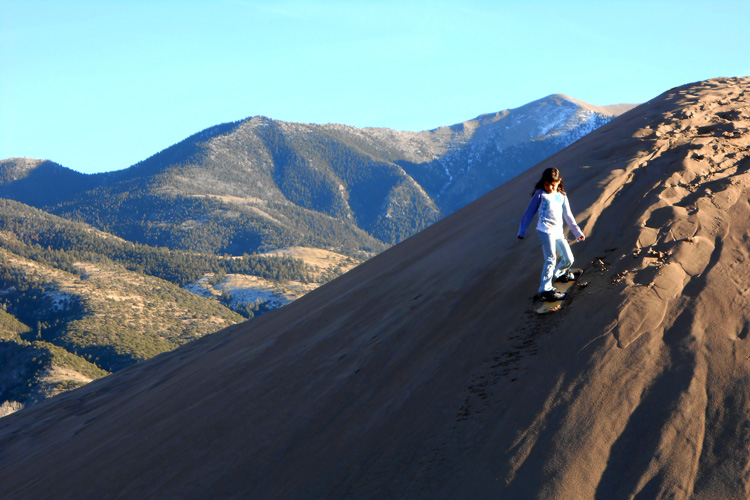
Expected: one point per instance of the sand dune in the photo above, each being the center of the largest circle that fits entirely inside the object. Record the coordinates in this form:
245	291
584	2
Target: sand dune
425	373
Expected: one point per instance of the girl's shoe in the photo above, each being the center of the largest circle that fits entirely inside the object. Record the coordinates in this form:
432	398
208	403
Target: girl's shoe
569	276
551	296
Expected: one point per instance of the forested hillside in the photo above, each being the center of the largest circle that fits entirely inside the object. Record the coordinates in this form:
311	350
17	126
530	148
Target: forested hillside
77	303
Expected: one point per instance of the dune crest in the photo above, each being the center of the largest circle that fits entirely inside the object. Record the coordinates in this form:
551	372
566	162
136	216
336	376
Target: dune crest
425	373
680	314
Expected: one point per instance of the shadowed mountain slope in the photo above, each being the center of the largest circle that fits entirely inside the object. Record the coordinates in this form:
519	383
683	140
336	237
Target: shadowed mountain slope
425	373
29	181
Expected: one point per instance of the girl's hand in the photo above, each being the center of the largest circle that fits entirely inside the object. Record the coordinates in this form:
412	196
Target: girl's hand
582	238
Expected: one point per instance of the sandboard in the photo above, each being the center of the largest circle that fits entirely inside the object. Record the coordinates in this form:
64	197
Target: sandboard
556	305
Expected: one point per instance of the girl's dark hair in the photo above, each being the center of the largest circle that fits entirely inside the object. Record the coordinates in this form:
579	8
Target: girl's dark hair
550	175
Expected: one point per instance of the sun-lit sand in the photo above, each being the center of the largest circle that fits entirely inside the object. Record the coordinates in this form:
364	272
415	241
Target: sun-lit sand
426	373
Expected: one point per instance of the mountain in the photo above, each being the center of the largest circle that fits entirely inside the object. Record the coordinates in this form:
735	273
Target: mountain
425	373
261	184
40	181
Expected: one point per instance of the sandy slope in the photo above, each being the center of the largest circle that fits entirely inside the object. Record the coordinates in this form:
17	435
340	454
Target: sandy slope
424	372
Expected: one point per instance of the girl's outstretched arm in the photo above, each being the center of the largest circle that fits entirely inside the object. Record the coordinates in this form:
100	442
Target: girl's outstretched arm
568	216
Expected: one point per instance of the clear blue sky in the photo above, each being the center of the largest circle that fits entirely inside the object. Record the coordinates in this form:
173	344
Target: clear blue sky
100	85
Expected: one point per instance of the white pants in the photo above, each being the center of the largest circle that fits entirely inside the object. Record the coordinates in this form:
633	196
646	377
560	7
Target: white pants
552	245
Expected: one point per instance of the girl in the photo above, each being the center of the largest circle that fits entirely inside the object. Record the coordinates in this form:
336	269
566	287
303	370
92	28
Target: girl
550	199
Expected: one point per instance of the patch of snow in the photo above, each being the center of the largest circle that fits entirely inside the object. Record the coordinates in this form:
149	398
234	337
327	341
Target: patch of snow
60	300
199	288
252	291
256	297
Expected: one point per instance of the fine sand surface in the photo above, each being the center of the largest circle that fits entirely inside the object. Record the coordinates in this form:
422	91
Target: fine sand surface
425	373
